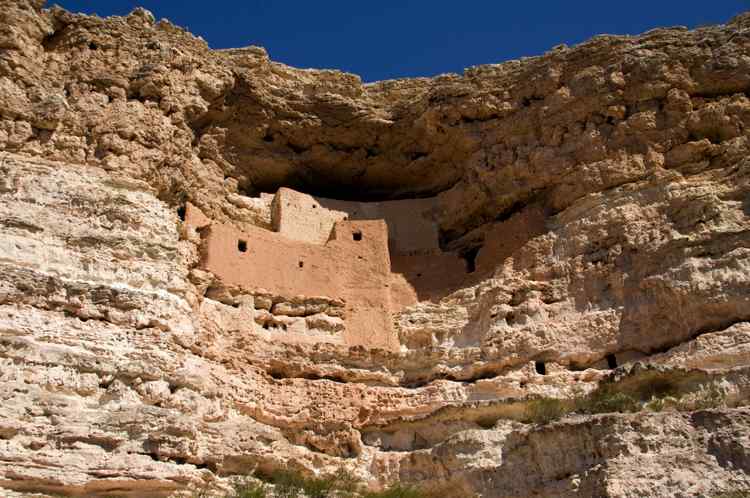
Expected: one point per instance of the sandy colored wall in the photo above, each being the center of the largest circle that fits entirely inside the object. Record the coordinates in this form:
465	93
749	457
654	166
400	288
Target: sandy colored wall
411	227
303	217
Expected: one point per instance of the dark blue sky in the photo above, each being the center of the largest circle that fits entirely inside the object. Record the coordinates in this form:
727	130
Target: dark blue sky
396	38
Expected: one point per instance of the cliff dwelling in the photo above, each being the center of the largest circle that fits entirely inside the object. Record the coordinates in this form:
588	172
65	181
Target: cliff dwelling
333	270
525	280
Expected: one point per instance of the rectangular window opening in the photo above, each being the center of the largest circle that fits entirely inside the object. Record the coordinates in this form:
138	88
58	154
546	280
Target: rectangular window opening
540	367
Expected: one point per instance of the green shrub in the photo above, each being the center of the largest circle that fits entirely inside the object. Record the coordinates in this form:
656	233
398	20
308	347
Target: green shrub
708	397
605	399
544	410
657	388
250	490
290	484
346	484
660	404
734	494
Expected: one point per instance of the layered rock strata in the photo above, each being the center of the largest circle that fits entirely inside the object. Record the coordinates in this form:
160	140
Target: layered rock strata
597	197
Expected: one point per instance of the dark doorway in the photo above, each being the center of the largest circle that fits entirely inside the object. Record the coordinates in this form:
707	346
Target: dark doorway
540	367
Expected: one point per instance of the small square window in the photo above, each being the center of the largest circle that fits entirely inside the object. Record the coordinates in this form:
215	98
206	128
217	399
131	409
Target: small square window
357	235
242	245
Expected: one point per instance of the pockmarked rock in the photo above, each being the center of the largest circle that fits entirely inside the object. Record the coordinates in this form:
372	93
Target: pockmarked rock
529	279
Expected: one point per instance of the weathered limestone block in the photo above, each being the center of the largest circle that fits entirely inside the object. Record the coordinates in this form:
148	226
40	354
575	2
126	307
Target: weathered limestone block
121	265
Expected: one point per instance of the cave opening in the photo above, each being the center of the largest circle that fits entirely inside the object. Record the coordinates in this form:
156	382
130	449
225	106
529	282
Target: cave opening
470	258
611	361
242	245
540	367
181	211
358	186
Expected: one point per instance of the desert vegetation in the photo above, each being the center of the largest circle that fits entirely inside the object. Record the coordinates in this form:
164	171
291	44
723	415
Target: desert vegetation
654	396
341	484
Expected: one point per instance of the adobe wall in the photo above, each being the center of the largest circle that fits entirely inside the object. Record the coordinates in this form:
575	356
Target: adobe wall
356	271
411	227
393	262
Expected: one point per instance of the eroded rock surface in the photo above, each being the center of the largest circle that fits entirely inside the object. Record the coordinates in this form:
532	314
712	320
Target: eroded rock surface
592	214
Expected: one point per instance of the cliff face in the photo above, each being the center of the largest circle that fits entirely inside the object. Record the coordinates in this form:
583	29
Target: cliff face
599	195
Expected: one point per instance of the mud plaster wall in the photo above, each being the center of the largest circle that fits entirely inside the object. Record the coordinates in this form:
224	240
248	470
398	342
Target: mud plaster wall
356	271
313	252
411	225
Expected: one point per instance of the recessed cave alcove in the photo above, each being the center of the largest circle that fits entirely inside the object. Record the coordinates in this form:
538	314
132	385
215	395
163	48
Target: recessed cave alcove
417	247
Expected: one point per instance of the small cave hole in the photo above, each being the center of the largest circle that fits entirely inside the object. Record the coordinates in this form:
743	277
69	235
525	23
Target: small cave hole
266	326
268	137
276	374
314	206
357	235
611	361
419	275
470	257
181	212
93	46
301	264
576	367
242	245
487	422
540	367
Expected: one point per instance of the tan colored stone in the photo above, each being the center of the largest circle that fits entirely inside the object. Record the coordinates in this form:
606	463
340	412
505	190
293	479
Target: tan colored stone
548	219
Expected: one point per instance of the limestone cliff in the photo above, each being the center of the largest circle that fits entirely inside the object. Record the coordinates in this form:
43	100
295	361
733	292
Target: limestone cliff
574	319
